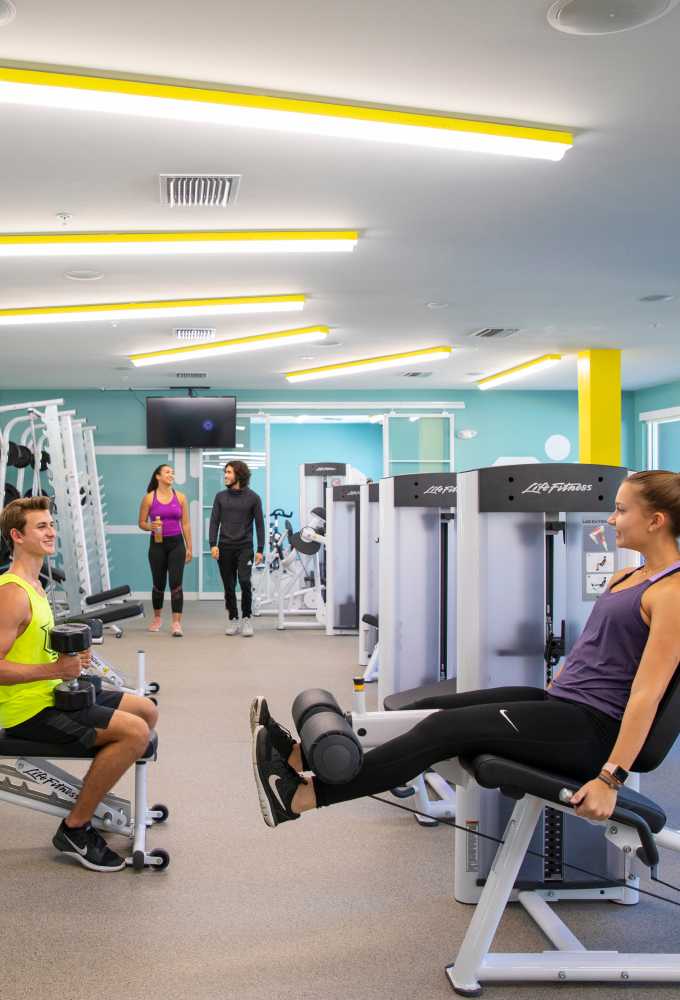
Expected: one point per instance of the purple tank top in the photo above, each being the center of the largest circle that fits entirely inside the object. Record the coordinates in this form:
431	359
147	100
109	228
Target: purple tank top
169	513
601	666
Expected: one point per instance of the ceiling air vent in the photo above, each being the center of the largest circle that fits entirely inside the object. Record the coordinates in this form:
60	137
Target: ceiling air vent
191	374
495	332
199	190
416	374
195	334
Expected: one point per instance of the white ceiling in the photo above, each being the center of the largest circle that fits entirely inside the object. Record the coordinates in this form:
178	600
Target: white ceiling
561	250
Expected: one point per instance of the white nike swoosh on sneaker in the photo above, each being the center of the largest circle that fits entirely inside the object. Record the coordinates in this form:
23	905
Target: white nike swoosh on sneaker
82	851
508	719
273	781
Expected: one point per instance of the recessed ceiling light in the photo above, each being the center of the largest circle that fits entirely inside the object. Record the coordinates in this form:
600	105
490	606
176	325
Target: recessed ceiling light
307	357
437	305
605	17
663	297
84	275
7	12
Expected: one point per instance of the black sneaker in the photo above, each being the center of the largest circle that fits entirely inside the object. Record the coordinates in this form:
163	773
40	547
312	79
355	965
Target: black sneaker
281	739
275	780
87	846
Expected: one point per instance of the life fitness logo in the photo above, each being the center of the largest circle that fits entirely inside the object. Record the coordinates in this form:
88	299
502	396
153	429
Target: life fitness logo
438	491
558	488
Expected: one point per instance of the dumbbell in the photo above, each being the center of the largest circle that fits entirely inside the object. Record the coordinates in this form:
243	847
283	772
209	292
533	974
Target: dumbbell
19	456
71	639
329	744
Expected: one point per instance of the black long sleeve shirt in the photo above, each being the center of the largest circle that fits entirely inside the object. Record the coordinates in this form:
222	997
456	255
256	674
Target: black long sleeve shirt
233	514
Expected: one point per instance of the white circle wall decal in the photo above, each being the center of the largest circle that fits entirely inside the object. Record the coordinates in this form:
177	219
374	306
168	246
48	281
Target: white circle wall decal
558	447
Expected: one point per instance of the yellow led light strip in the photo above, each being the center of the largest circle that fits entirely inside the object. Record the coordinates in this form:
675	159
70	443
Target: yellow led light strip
369	364
205	241
235	346
140	310
186	102
545	361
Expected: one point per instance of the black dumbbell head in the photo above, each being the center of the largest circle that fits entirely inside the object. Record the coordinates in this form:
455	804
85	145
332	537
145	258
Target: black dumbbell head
70	638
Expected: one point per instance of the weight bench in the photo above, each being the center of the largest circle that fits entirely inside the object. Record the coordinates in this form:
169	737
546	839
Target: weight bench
34	782
637	827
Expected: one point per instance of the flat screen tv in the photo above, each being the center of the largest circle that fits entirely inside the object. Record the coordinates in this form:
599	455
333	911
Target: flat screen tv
190	421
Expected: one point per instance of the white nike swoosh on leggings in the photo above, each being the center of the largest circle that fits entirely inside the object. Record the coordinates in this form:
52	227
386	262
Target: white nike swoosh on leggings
273	779
508	719
82	851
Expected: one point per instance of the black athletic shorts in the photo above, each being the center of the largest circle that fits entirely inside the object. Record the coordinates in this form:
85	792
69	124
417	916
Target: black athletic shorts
54	726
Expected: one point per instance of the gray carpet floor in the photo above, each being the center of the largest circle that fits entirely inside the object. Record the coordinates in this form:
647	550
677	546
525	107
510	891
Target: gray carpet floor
349	903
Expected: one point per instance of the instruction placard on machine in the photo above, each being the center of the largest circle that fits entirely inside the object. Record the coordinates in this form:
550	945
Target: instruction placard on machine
599	548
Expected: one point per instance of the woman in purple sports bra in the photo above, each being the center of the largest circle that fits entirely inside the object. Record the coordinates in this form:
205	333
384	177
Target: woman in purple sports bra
165	514
590	724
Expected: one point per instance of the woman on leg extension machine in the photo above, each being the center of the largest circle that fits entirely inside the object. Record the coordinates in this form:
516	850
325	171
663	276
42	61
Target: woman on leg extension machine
590	724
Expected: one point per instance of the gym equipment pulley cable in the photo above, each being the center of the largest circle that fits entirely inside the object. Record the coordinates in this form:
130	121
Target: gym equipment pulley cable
538	854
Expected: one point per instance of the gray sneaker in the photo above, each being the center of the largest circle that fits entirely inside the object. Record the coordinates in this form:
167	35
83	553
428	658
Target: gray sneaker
247	627
233	626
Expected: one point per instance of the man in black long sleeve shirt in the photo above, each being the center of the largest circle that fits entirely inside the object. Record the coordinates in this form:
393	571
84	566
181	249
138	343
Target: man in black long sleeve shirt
231	541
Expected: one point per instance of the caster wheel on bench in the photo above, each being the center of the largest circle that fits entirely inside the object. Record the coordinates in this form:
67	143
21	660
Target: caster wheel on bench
163	810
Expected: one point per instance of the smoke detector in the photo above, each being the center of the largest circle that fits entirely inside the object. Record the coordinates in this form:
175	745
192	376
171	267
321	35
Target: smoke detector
495	332
199	190
195	334
191	374
7	12
605	17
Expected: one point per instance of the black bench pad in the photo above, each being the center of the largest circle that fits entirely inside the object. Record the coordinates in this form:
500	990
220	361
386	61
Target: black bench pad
111	613
10	747
490	771
404	701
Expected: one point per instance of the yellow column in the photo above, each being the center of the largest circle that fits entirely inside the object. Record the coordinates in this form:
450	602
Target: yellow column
599	407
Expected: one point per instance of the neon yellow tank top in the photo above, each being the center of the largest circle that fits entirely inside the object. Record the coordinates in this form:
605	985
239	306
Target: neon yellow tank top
19	702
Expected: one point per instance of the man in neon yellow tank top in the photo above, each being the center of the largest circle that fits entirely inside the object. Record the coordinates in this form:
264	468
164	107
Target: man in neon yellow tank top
29	672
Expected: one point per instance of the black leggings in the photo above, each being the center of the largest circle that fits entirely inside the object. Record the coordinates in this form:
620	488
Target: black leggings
167	559
522	723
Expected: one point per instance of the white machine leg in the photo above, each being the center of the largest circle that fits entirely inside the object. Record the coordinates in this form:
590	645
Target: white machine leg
139	858
141	672
489	910
373	669
551	925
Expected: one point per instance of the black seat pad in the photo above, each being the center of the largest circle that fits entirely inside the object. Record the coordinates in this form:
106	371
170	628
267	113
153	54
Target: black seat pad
110	613
404	701
10	747
490	771
371	620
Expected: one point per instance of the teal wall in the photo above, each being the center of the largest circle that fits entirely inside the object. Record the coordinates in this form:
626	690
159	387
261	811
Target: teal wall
292	445
658	397
508	423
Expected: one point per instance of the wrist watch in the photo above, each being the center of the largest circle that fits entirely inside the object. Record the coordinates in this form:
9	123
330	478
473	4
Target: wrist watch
619	773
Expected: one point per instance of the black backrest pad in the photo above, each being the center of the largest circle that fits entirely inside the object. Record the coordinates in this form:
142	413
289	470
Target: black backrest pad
664	731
